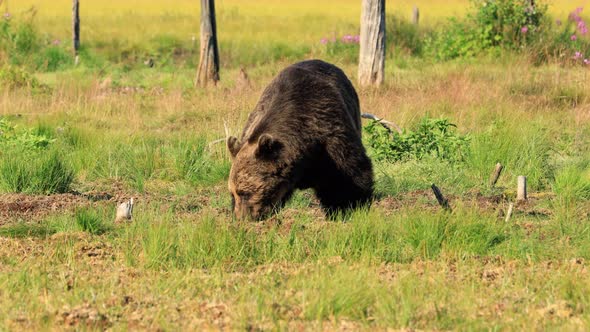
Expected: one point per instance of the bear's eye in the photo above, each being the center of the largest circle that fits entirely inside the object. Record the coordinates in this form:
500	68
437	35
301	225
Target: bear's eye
243	195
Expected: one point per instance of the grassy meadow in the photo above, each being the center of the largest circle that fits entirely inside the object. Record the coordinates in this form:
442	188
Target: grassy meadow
75	141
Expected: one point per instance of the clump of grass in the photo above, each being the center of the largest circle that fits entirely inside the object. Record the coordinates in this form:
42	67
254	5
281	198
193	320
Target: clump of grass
23	230
35	172
89	221
197	166
522	150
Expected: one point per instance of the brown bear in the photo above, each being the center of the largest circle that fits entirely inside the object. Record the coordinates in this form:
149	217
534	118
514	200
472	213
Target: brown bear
305	132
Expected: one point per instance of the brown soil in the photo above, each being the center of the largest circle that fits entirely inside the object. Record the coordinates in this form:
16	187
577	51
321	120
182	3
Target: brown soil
20	206
15	207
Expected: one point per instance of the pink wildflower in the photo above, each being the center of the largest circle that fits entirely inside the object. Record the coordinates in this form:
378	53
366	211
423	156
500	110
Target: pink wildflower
574	38
586	61
524	29
578	55
324	41
582	27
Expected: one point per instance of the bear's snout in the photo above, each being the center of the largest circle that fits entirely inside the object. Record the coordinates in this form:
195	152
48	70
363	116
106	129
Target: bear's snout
246	211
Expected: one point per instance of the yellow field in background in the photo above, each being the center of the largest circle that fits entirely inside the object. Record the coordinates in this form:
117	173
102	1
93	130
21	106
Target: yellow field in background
292	21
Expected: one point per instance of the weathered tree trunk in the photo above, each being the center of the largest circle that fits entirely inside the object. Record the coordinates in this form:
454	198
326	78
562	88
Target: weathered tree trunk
415	16
372	53
521	192
76	28
209	59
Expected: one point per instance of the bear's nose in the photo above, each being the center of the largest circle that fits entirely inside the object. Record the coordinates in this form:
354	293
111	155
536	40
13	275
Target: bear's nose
243	212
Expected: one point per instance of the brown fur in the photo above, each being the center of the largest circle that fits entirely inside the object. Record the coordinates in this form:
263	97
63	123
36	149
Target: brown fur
305	132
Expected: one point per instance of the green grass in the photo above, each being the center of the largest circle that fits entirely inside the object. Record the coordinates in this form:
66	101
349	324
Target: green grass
113	126
35	172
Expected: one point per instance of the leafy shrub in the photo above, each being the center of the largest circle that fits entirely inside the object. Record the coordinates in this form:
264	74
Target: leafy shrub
508	23
457	39
21	45
493	23
52	58
403	35
568	42
18	40
13	77
10	136
431	137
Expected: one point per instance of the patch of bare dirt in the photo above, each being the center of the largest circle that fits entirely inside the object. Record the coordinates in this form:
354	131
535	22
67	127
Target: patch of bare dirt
29	206
84	316
496	202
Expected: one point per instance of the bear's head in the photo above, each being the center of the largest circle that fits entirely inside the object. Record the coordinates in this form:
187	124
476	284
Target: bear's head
258	183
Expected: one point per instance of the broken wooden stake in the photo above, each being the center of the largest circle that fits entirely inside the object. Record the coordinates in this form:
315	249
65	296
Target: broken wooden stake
442	201
496	175
521	193
509	212
415	15
125	211
76	28
387	124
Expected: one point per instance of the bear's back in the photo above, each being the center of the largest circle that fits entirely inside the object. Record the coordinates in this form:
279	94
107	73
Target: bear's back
308	92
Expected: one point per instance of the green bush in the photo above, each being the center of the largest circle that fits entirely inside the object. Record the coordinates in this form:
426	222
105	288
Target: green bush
13	77
403	35
21	45
567	42
11	136
432	137
18	39
510	24
52	58
457	39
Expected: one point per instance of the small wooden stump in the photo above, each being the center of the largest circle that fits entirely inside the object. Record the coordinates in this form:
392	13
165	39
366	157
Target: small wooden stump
496	175
509	212
442	201
124	211
521	192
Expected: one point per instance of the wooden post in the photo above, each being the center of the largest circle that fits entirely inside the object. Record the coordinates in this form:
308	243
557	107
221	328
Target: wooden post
442	201
372	43
209	58
521	194
124	211
496	175
509	212
76	28
415	15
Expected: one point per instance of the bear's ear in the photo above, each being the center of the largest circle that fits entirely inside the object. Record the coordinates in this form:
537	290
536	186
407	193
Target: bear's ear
233	146
268	147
